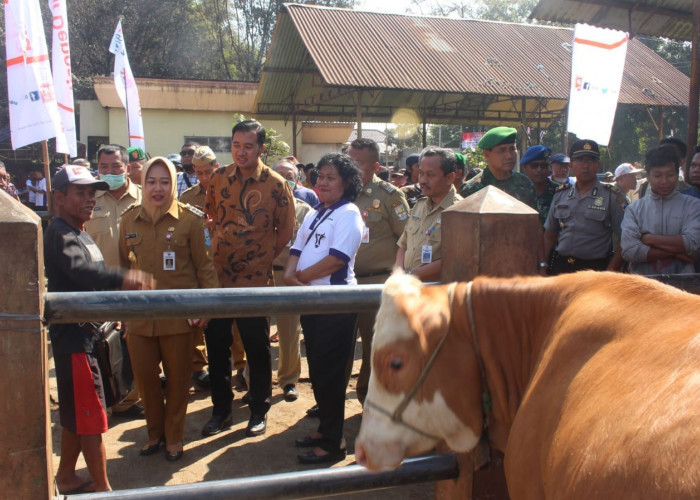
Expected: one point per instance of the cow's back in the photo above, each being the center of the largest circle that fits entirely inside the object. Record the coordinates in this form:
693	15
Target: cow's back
613	408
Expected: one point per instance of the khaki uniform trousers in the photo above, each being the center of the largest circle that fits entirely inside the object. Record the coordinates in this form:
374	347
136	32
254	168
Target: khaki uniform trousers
163	418
288	329
365	330
199	351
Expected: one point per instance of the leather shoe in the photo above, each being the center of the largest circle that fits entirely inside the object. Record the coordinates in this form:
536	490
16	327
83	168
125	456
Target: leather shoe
311	458
290	393
216	424
201	378
173	456
131	413
312	412
150	449
257	425
308	442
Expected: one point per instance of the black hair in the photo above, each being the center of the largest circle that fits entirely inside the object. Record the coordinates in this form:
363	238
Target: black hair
348	171
368	144
680	146
250	126
660	156
448	162
192	144
112	149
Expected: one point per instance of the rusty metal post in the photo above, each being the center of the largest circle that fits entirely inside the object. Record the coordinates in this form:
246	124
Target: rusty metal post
488	233
26	441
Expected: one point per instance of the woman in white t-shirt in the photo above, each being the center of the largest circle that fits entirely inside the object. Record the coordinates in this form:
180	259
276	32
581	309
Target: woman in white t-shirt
324	254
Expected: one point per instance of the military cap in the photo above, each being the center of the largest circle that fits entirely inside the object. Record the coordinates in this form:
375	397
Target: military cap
461	160
584	147
412	159
203	155
538	152
559	158
497	136
136	153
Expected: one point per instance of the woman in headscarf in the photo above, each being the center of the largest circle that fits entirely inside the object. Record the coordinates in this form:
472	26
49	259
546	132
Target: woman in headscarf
170	241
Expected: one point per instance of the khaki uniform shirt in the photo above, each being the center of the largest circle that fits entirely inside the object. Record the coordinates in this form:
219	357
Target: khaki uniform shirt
586	223
424	228
194	196
301	208
104	225
142	245
247	216
384	211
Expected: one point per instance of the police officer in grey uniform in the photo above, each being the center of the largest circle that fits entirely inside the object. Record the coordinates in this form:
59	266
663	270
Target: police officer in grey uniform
583	225
384	211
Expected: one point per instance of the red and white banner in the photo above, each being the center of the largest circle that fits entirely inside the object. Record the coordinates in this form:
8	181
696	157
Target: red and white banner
471	139
63	78
597	64
126	89
34	115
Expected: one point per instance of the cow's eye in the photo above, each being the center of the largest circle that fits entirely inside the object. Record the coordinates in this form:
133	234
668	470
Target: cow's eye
396	364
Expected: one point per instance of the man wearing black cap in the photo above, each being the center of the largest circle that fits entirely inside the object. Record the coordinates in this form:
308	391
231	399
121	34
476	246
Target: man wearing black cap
535	166
501	156
74	264
583	224
412	189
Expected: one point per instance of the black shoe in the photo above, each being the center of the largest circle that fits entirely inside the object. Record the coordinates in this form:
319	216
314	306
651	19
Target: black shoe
311	458
173	456
308	442
132	413
312	412
201	378
257	425
150	449
216	424
290	393
247	398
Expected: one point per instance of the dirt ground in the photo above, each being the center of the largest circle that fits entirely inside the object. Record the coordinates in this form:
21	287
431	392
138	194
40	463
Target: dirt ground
229	454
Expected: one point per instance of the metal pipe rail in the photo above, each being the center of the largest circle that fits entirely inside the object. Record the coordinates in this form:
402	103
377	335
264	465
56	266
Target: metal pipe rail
305	484
77	307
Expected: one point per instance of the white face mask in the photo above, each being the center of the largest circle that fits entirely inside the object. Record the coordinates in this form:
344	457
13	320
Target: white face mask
292	184
115	181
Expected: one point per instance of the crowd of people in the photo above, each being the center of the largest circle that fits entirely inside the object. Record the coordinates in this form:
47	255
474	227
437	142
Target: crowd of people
184	221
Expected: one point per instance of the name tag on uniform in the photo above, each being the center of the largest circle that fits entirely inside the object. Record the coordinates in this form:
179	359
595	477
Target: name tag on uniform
365	235
168	261
94	251
426	255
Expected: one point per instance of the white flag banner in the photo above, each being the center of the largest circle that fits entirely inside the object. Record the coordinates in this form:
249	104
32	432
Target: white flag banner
126	89
597	63
34	115
63	78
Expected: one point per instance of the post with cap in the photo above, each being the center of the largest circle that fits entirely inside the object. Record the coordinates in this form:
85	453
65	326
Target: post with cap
488	233
26	441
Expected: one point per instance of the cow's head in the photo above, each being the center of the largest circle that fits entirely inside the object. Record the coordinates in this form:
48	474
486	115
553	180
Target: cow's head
410	323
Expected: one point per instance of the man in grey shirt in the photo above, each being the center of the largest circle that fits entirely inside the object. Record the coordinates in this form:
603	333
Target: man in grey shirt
661	232
583	225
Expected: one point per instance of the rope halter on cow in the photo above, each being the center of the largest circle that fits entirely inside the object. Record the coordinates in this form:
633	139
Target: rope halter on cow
397	415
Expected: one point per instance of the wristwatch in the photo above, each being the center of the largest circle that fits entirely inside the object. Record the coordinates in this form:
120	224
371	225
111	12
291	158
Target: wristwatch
541	265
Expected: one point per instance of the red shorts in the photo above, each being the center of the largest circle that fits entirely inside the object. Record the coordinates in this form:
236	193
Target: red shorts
80	394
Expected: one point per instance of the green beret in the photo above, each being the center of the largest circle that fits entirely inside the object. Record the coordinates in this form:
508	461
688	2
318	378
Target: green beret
497	136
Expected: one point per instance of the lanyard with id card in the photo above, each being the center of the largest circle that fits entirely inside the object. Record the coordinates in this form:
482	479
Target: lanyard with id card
169	255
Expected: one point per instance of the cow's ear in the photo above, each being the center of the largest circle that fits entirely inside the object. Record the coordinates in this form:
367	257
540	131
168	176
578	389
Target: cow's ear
426	313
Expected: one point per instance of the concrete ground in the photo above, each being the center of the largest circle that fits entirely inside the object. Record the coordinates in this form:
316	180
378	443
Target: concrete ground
230	454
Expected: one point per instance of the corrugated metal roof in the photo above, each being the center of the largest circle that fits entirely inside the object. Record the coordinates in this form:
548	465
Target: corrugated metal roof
661	18
445	70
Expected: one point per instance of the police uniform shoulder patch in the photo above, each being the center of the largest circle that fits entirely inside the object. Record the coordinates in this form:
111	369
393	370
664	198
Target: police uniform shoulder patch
388	187
563	187
194	210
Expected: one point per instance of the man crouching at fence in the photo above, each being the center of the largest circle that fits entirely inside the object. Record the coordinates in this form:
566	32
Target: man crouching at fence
73	264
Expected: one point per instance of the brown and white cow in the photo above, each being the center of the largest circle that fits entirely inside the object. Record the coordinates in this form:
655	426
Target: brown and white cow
594	382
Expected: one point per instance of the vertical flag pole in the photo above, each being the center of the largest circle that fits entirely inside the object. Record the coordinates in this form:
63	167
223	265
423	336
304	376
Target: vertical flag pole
47	174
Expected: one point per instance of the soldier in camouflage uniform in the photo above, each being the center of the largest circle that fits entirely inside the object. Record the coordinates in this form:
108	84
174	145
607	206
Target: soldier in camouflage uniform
501	155
584	222
412	190
384	211
535	165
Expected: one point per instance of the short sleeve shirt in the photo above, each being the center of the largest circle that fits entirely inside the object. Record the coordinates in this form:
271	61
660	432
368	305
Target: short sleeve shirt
247	215
424	229
335	230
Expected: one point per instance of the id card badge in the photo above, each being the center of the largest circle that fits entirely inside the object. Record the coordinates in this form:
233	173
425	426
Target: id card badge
365	235
168	261
426	255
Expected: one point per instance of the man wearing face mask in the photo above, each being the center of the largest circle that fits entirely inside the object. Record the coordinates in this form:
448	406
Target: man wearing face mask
286	167
103	228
